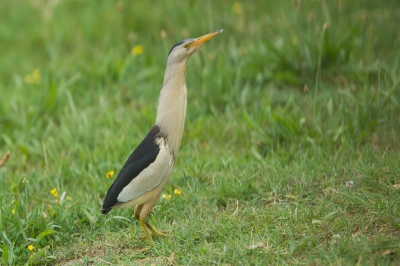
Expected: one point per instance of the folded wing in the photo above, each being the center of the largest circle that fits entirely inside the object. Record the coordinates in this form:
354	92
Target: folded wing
143	171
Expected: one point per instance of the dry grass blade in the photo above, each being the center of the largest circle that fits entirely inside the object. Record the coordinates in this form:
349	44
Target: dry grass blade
5	159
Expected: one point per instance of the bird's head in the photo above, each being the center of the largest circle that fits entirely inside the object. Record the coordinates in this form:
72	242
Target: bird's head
184	49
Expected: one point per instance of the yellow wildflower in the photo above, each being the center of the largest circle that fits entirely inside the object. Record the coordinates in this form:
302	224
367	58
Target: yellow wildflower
237	8
31	248
54	192
13	211
177	191
137	50
33	78
165	196
163	34
110	174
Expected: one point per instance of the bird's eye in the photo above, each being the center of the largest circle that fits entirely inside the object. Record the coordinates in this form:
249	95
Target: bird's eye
186	46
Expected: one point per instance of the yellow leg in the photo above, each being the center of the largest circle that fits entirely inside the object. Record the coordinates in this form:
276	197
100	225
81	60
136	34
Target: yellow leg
137	211
148	236
145	224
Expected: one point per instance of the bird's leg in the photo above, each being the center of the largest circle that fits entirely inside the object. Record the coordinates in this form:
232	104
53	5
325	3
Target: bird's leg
137	211
148	236
145	224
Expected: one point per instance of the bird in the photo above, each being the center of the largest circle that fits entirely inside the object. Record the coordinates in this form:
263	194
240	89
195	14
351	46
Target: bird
145	173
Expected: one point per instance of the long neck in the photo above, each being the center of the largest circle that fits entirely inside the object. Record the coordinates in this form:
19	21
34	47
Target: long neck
171	109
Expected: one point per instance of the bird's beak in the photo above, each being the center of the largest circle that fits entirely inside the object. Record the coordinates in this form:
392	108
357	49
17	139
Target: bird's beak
199	41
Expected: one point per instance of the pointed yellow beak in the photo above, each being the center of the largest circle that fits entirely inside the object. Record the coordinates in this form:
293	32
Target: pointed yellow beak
199	41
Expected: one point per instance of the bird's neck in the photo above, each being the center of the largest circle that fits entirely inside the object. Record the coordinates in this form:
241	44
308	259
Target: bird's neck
171	109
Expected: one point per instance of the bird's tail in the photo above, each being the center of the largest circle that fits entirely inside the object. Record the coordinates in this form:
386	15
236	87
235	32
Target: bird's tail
105	211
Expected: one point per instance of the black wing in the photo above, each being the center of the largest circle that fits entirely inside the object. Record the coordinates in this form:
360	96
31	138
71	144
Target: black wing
144	155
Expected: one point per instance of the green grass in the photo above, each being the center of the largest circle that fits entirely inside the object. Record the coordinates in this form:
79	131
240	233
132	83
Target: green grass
294	100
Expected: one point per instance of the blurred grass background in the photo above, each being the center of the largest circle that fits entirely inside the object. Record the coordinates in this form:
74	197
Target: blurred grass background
290	153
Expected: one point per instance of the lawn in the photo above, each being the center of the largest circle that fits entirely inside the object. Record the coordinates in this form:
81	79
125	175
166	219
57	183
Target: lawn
291	148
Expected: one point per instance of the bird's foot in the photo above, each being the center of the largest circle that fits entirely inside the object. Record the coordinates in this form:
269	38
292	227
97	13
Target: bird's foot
146	225
156	232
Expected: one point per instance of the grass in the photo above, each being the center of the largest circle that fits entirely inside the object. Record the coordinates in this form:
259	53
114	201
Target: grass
290	153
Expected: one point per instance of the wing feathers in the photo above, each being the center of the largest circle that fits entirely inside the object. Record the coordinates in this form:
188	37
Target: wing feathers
143	156
150	177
